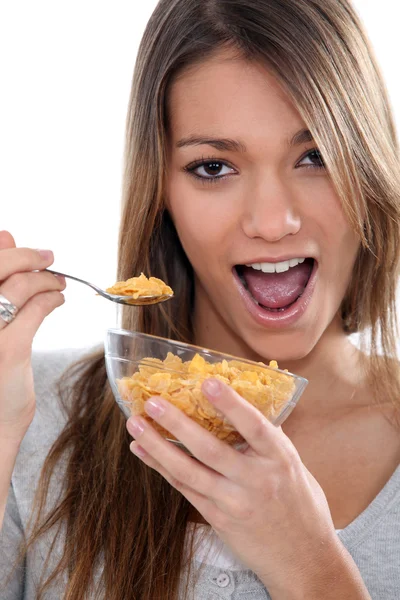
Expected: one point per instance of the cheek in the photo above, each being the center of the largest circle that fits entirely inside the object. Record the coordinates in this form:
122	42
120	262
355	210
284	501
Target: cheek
204	221
341	235
323	208
339	242
200	239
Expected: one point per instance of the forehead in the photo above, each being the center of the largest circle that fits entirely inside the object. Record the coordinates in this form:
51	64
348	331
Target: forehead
228	94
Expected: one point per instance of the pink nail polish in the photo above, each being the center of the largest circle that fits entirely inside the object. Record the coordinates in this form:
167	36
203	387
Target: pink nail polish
46	254
138	450
154	408
135	426
212	387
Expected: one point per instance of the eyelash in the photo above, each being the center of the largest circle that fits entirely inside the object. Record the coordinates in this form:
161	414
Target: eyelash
190	169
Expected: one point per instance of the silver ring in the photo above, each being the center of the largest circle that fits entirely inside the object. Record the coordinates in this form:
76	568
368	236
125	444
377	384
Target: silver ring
7	305
5	315
8	310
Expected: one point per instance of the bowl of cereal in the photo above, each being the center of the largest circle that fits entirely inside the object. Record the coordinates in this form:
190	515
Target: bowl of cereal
140	366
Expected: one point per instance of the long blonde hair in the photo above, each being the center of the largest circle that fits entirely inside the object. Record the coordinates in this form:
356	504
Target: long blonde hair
114	507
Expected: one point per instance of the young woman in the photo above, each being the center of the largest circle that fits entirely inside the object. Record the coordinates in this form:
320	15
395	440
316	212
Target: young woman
262	184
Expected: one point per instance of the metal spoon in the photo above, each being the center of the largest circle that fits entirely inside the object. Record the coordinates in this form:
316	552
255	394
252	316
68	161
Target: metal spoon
141	301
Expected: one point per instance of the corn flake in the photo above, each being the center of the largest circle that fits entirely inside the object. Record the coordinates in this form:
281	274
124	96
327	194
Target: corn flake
140	286
179	382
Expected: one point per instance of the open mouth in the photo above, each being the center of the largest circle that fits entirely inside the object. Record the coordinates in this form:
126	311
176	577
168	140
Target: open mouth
276	291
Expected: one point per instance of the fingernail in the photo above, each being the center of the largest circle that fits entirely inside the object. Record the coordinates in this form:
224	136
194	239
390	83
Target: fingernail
138	450
135	426
46	254
212	387
154	408
61	279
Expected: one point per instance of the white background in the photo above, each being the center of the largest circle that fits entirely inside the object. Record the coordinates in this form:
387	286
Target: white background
66	71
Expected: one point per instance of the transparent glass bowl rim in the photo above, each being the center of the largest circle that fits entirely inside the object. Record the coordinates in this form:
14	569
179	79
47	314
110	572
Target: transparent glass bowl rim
300	382
192	347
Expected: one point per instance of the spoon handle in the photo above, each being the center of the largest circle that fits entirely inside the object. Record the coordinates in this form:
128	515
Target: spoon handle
94	287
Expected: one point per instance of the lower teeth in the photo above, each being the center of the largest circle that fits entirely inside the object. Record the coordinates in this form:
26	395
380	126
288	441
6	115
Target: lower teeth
266	307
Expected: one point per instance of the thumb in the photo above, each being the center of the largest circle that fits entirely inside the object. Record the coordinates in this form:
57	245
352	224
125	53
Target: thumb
6	240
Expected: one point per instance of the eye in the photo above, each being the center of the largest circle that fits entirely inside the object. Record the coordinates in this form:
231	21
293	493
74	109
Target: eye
211	169
312	159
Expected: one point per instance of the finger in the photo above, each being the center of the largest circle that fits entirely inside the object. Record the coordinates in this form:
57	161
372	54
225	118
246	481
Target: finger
17	260
20	287
30	317
204	446
6	240
261	435
205	506
185	470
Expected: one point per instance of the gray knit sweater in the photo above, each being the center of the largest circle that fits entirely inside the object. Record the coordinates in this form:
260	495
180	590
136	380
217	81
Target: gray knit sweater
373	538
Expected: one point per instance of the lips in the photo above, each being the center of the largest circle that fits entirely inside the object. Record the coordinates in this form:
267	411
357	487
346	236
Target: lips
276	291
277	319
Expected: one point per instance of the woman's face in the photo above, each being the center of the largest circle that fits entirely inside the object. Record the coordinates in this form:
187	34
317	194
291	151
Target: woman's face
247	186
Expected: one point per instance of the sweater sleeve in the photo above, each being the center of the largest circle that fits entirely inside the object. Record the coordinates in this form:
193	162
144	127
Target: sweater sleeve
11	567
18	579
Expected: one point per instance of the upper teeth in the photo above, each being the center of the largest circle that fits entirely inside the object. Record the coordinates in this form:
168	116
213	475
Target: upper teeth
278	267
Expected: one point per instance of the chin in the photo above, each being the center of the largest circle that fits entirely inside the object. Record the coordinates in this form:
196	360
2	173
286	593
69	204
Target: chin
283	347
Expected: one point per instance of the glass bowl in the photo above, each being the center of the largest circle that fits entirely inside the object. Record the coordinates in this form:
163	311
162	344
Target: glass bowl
140	366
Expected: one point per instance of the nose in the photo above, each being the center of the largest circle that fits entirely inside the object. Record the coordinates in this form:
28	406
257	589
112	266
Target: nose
270	211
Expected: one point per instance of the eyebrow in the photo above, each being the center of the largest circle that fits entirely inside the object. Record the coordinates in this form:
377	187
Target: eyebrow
229	145
301	137
218	143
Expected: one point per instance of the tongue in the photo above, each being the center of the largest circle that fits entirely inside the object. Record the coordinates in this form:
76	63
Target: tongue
277	290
